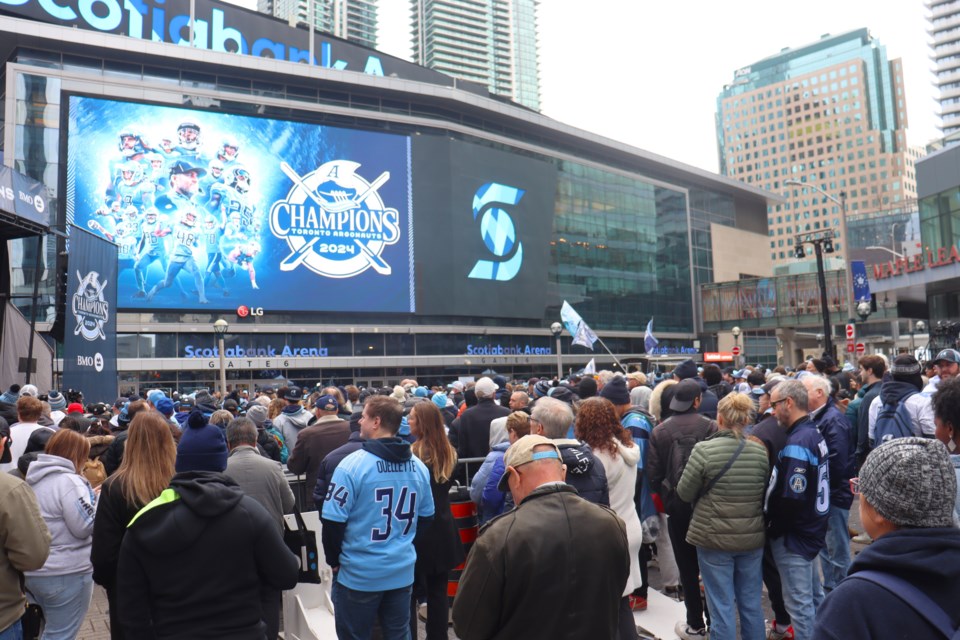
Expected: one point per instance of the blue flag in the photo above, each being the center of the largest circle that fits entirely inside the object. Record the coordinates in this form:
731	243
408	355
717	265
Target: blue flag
582	334
649	340
861	286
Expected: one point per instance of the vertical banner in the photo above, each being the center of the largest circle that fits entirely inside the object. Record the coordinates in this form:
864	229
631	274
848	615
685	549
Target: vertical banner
90	334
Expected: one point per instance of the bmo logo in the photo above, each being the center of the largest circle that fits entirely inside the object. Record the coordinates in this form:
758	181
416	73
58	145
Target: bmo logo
243	311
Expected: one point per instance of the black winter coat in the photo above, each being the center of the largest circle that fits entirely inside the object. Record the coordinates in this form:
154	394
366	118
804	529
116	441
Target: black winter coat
474	428
438	546
193	567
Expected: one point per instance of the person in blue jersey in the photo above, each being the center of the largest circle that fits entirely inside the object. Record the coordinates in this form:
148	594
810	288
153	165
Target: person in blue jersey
151	248
377	500
798	505
840	438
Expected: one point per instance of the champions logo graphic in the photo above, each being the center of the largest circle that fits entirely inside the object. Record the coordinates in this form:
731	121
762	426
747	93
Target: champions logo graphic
90	309
335	221
499	234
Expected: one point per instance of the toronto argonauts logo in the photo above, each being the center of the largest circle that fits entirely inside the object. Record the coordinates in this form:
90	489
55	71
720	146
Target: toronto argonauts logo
334	221
90	308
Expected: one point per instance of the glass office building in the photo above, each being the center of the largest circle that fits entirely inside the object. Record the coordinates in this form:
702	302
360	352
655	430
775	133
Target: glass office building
622	235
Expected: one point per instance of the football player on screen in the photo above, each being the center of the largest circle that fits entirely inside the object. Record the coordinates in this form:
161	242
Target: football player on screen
151	248
106	219
184	182
243	255
186	238
128	237
190	145
131	187
211	232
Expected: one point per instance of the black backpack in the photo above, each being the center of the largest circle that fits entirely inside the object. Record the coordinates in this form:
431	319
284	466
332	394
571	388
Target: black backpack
677	457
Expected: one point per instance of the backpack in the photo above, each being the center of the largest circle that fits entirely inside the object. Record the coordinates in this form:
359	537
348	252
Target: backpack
677	457
94	471
893	421
916	599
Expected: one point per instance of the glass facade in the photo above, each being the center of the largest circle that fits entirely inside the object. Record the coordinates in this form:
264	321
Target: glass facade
624	247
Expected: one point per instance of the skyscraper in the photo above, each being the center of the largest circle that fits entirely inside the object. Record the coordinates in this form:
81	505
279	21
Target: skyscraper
491	42
945	28
353	20
830	114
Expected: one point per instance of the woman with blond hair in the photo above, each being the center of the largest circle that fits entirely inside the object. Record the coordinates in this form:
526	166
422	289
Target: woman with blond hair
146	470
438	548
63	586
597	424
724	480
275	407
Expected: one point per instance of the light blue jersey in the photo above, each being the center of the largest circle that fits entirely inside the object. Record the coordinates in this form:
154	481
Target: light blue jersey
380	501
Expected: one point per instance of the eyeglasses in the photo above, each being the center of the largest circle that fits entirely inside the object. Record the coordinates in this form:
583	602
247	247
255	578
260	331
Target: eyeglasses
855	486
774	403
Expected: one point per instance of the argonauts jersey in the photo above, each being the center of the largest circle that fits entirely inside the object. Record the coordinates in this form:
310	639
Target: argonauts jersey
380	500
139	195
185	238
150	242
798	495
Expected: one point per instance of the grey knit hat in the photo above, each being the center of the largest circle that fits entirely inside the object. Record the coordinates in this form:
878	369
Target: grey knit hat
911	482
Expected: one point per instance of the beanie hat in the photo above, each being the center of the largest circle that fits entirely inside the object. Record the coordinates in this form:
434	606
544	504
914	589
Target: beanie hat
906	368
202	446
439	399
911	482
616	391
421	392
29	390
587	388
542	388
686	369
155	396
56	400
257	413
75	407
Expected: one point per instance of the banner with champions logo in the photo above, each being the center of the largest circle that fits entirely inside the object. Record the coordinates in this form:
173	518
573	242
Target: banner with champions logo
90	335
211	210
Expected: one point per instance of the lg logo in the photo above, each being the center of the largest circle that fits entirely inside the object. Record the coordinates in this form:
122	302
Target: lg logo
243	311
498	232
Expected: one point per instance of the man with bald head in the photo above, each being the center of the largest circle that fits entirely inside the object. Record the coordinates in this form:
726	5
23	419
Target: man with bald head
531	544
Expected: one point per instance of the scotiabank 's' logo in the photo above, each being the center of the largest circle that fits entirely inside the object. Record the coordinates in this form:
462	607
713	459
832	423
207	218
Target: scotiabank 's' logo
334	221
499	234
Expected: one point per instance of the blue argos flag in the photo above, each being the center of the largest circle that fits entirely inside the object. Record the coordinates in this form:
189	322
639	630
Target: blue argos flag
649	341
861	286
582	334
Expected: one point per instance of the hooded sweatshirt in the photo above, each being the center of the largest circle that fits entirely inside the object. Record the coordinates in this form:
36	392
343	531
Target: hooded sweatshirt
918	406
68	506
193	561
928	559
291	421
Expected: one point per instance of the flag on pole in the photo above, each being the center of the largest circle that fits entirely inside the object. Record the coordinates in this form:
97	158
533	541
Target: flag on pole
582	334
861	286
591	366
649	341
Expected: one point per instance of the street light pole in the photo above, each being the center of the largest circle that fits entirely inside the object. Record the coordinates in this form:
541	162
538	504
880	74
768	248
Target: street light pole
844	250
556	329
220	328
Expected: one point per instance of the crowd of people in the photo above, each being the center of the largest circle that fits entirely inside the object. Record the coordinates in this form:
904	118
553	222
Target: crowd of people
729	480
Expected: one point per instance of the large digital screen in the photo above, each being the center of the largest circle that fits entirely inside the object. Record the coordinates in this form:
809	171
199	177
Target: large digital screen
212	210
496	209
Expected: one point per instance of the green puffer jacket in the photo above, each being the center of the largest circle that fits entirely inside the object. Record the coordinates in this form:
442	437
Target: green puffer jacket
730	516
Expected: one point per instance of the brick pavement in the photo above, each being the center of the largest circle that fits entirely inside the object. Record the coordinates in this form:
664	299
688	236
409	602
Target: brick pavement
96	626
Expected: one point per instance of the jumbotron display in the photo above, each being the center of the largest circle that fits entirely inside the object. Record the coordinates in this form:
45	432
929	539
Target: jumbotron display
211	210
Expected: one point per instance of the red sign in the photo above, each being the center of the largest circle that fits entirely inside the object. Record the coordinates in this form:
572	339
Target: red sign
851	331
850	346
735	351
718	356
243	311
861	348
929	259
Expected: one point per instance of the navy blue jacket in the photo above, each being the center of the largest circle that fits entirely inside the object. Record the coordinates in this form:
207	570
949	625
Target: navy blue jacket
329	464
929	559
841	443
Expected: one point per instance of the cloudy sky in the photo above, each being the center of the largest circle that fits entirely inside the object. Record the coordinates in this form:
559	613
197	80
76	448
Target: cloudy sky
649	73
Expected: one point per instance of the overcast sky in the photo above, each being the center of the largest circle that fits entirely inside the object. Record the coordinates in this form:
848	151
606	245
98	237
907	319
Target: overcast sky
649	73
